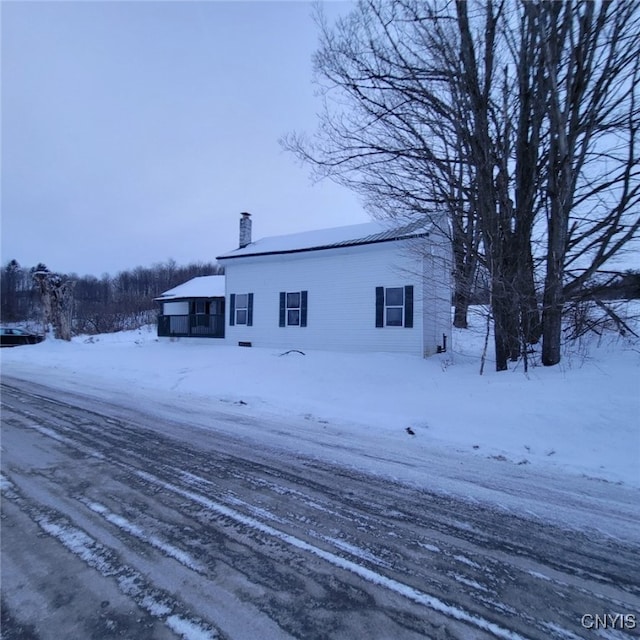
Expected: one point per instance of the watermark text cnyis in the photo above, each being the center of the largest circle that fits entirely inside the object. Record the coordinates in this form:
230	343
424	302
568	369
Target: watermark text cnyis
621	621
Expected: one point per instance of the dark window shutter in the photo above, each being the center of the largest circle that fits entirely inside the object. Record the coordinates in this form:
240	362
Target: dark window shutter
303	309
283	308
379	306
232	309
408	306
250	310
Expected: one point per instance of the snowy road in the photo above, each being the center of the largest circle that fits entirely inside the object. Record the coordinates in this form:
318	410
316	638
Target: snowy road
117	525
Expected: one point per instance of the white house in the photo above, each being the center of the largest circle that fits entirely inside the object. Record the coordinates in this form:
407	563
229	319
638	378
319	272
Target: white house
366	287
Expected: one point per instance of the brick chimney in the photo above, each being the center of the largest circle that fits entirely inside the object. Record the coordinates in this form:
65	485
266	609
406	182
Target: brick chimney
245	229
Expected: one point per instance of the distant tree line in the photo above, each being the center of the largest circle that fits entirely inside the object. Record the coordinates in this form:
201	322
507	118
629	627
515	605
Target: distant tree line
605	285
75	304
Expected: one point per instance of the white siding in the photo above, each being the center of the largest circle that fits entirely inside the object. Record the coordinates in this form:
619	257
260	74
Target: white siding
341	285
176	308
436	287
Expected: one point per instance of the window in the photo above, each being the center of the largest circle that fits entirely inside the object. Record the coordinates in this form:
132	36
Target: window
394	306
241	309
293	309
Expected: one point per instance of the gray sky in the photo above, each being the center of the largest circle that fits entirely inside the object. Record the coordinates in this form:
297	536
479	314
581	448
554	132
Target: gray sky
134	132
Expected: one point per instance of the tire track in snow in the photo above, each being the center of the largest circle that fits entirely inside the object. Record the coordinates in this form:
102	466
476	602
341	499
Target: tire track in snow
70	534
227	498
353	565
371	576
136	446
137	532
157	602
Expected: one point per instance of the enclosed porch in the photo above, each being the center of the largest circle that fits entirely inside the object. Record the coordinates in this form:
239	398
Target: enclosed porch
194	309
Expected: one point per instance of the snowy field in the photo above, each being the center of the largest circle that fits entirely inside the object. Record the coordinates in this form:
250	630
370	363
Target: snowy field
579	418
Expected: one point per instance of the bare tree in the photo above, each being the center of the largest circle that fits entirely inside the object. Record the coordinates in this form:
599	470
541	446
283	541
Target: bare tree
382	144
424	130
591	61
472	108
57	302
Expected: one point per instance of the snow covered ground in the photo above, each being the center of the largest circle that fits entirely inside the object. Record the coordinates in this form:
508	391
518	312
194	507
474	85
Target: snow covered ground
579	418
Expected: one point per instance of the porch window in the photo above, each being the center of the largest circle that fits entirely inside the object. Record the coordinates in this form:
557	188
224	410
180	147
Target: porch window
200	311
241	309
394	306
293	308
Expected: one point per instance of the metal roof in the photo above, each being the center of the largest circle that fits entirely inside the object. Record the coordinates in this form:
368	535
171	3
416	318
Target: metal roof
359	234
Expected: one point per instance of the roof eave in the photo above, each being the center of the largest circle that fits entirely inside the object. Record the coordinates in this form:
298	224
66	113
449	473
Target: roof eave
178	298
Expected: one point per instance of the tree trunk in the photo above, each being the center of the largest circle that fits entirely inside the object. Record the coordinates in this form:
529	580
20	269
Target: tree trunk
553	302
463	281
552	334
460	309
503	325
500	334
530	322
64	310
512	306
